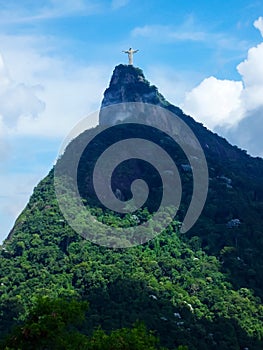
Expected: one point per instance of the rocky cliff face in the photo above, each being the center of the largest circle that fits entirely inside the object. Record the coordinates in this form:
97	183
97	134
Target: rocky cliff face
128	84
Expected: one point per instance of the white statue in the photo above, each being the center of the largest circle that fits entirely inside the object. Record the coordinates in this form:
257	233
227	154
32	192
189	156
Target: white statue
130	53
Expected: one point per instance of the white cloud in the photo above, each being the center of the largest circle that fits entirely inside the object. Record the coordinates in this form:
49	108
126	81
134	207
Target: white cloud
17	101
46	95
259	25
251	71
248	133
68	99
224	103
215	102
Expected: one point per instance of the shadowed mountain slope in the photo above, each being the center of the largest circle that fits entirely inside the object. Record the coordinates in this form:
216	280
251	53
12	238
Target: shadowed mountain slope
201	289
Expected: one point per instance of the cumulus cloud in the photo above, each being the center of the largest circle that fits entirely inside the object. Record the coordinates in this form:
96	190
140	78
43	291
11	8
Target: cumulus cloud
251	71
223	104
248	133
68	99
215	102
46	95
16	99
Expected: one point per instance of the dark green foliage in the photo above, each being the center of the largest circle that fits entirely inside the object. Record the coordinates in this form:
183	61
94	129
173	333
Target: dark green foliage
136	338
52	324
153	282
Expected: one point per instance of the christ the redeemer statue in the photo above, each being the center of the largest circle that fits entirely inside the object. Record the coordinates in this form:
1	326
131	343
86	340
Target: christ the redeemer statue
130	53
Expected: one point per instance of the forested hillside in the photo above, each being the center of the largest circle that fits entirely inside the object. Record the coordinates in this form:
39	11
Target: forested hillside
201	289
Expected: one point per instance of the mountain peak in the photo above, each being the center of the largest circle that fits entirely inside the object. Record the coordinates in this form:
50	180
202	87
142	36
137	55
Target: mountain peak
127	74
128	84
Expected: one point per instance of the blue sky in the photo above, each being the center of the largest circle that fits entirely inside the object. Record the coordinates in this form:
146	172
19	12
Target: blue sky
57	57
